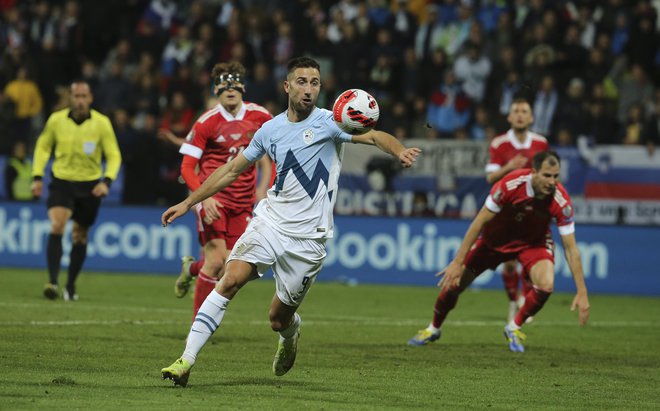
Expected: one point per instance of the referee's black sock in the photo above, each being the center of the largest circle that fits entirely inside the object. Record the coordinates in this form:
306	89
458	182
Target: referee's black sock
54	256
76	260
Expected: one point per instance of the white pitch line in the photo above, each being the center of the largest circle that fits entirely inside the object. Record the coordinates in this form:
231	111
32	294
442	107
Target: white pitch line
321	323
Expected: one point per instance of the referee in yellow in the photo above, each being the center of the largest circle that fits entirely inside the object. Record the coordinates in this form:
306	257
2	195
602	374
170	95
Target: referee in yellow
80	137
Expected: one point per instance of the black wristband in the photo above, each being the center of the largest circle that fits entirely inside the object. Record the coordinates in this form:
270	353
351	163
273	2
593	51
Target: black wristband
107	181
37	178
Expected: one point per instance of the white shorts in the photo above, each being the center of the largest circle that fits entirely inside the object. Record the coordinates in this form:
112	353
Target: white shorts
295	261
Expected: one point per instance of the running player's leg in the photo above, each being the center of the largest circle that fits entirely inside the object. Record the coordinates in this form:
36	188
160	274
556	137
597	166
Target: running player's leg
511	281
215	256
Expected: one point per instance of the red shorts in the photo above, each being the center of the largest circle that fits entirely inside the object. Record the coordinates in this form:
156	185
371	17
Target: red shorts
229	227
481	257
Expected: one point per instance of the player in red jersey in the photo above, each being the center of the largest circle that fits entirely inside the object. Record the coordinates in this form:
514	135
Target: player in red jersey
507	152
515	223
218	136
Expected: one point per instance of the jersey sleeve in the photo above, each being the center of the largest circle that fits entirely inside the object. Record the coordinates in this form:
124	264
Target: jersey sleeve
497	197
110	150
495	160
338	134
195	141
43	148
563	212
257	147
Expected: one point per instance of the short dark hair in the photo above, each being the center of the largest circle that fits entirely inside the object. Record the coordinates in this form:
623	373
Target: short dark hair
302	62
541	157
521	100
230	67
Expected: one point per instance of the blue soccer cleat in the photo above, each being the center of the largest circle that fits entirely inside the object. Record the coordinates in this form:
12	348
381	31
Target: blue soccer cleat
424	337
515	337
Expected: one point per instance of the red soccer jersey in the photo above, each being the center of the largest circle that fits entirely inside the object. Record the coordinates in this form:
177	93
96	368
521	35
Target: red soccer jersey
216	138
522	220
506	146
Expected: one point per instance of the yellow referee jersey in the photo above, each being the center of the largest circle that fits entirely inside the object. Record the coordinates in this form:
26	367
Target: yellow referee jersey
78	147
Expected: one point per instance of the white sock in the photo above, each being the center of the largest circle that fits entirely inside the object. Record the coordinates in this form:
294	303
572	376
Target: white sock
206	321
433	329
291	330
513	326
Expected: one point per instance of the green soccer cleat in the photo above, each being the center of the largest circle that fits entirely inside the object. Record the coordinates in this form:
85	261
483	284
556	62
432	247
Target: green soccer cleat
182	284
178	372
286	354
51	291
515	338
424	337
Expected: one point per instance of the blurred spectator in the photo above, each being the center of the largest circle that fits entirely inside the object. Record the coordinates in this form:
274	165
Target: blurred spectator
632	131
633	87
161	14
141	160
27	98
427	38
478	128
18	174
176	52
404	23
178	116
122	54
262	87
449	107
545	105
602	126
7	115
572	110
565	137
472	70
651	129
115	91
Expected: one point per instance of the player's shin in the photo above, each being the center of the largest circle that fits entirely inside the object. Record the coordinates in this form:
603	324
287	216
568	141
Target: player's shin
206	321
534	301
203	287
446	302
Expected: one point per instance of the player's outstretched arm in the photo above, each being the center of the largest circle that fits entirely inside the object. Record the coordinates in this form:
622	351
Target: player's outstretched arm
221	178
581	300
452	274
390	145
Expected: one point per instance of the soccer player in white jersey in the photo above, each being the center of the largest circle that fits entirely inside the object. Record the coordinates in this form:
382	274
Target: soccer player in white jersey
291	225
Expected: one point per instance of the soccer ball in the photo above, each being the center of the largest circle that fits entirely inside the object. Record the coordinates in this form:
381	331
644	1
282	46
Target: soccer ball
355	111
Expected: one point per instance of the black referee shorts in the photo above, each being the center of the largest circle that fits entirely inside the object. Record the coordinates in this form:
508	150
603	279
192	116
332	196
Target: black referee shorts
76	196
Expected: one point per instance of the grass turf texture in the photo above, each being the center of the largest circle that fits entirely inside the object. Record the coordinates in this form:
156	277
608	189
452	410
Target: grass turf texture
106	350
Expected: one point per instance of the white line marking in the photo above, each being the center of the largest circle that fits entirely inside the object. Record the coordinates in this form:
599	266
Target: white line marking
321	323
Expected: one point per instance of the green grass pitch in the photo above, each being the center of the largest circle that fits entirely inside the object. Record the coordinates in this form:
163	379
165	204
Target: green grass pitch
106	350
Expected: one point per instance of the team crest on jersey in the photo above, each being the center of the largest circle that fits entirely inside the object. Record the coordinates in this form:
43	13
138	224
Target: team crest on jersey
308	136
498	195
567	211
190	136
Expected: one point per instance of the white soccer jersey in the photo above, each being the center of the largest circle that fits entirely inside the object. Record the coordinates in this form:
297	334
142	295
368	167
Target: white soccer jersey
308	157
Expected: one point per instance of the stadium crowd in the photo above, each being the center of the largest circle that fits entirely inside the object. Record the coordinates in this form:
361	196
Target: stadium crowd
444	69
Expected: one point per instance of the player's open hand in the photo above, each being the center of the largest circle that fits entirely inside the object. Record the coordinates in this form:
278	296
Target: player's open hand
517	162
581	302
451	276
173	213
408	156
211	210
101	189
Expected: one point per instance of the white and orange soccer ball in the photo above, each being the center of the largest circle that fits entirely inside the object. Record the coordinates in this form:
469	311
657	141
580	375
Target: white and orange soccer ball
355	111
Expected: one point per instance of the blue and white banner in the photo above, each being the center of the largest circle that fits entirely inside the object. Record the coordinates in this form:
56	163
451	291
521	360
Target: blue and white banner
616	259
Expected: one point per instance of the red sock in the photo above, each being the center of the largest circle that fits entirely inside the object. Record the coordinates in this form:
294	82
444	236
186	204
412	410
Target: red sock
446	302
196	267
203	287
534	301
510	279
